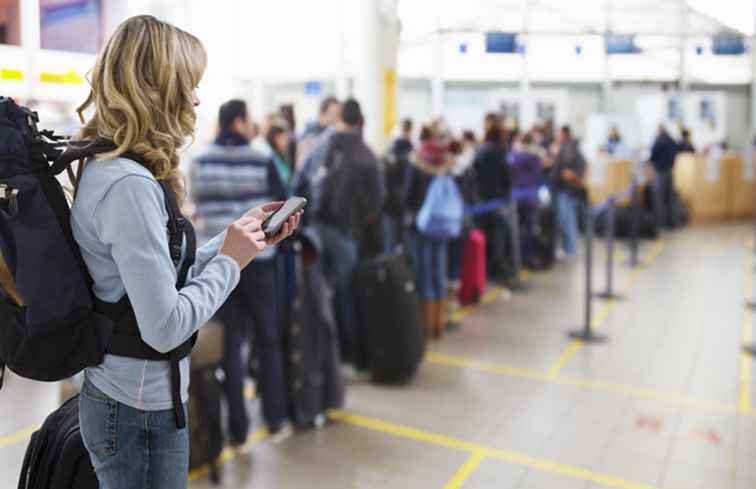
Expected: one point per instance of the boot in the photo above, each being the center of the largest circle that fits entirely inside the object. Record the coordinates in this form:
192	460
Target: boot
439	324
428	318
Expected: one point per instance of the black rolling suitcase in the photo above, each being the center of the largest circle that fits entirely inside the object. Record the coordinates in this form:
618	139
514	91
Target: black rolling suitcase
56	457
388	314
205	391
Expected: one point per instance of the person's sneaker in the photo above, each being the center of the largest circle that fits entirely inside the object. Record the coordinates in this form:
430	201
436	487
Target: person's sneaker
241	448
282	434
320	421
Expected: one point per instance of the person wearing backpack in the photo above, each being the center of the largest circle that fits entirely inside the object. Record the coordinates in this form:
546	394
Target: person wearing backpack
347	193
142	100
437	206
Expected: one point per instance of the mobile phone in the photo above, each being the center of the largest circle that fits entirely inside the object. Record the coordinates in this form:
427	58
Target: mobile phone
273	224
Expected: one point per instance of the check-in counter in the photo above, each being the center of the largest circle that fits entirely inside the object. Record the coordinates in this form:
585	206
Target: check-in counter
715	187
607	176
743	187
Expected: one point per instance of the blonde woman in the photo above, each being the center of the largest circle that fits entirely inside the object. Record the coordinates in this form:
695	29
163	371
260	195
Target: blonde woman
143	94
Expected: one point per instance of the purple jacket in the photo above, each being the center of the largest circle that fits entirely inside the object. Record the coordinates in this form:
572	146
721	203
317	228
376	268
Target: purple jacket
525	168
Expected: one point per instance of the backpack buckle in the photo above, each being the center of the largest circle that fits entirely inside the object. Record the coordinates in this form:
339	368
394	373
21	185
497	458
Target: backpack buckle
9	200
176	253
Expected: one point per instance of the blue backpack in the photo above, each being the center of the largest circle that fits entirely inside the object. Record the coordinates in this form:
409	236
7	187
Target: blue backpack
443	210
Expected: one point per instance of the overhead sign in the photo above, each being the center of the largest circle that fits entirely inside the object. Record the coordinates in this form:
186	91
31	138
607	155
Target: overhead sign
314	88
501	42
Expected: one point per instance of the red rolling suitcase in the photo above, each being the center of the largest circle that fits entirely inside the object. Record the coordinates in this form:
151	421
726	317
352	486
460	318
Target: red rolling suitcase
473	268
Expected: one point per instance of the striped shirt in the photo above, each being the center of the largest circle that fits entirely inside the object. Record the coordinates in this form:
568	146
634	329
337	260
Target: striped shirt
227	181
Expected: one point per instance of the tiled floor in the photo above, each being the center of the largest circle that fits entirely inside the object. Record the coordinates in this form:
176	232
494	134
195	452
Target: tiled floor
659	406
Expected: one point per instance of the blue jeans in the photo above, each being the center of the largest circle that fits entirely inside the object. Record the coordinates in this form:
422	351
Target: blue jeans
132	448
567	218
430	262
339	262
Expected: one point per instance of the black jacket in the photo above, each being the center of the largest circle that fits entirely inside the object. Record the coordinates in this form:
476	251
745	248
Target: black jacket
663	153
492	172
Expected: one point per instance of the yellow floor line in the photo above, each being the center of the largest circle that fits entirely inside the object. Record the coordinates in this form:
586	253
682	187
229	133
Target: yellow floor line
590	384
490	367
746	361
544	465
491	295
18	437
464	472
569	352
228	454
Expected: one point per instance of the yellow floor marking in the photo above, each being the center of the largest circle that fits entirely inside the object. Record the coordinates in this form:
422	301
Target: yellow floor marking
491	295
746	361
590	384
228	454
597	321
22	435
570	351
544	465
491	367
464	472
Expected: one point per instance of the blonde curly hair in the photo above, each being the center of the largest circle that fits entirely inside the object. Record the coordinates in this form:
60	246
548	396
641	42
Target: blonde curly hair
142	88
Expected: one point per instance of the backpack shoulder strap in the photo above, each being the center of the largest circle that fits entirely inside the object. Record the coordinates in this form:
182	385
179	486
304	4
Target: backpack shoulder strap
179	228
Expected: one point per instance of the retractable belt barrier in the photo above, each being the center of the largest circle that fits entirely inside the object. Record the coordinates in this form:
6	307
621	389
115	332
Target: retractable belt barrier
586	333
507	208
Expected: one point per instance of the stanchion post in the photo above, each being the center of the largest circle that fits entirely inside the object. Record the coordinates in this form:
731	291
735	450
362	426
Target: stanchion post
518	284
635	227
610	232
586	333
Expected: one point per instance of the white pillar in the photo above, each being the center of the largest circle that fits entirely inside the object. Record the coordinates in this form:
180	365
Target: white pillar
30	41
378	43
753	80
437	81
683	39
527	114
606	85
526	117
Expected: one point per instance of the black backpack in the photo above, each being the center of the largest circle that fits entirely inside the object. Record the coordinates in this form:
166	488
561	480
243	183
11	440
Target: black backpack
61	327
352	192
56	457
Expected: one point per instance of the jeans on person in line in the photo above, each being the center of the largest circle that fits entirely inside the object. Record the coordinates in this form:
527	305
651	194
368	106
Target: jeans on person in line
339	258
567	206
430	264
132	448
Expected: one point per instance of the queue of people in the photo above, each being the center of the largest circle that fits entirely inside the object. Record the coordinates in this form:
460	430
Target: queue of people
362	205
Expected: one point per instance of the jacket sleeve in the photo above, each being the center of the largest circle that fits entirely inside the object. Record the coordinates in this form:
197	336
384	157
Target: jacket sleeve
131	220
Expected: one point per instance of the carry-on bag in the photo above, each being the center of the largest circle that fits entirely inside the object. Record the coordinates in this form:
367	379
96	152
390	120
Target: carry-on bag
205	391
313	362
473	268
388	314
56	457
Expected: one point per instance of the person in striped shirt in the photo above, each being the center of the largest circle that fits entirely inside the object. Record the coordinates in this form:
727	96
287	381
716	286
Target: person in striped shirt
228	178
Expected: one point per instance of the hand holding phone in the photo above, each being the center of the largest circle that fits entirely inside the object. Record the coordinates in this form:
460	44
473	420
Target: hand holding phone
273	224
